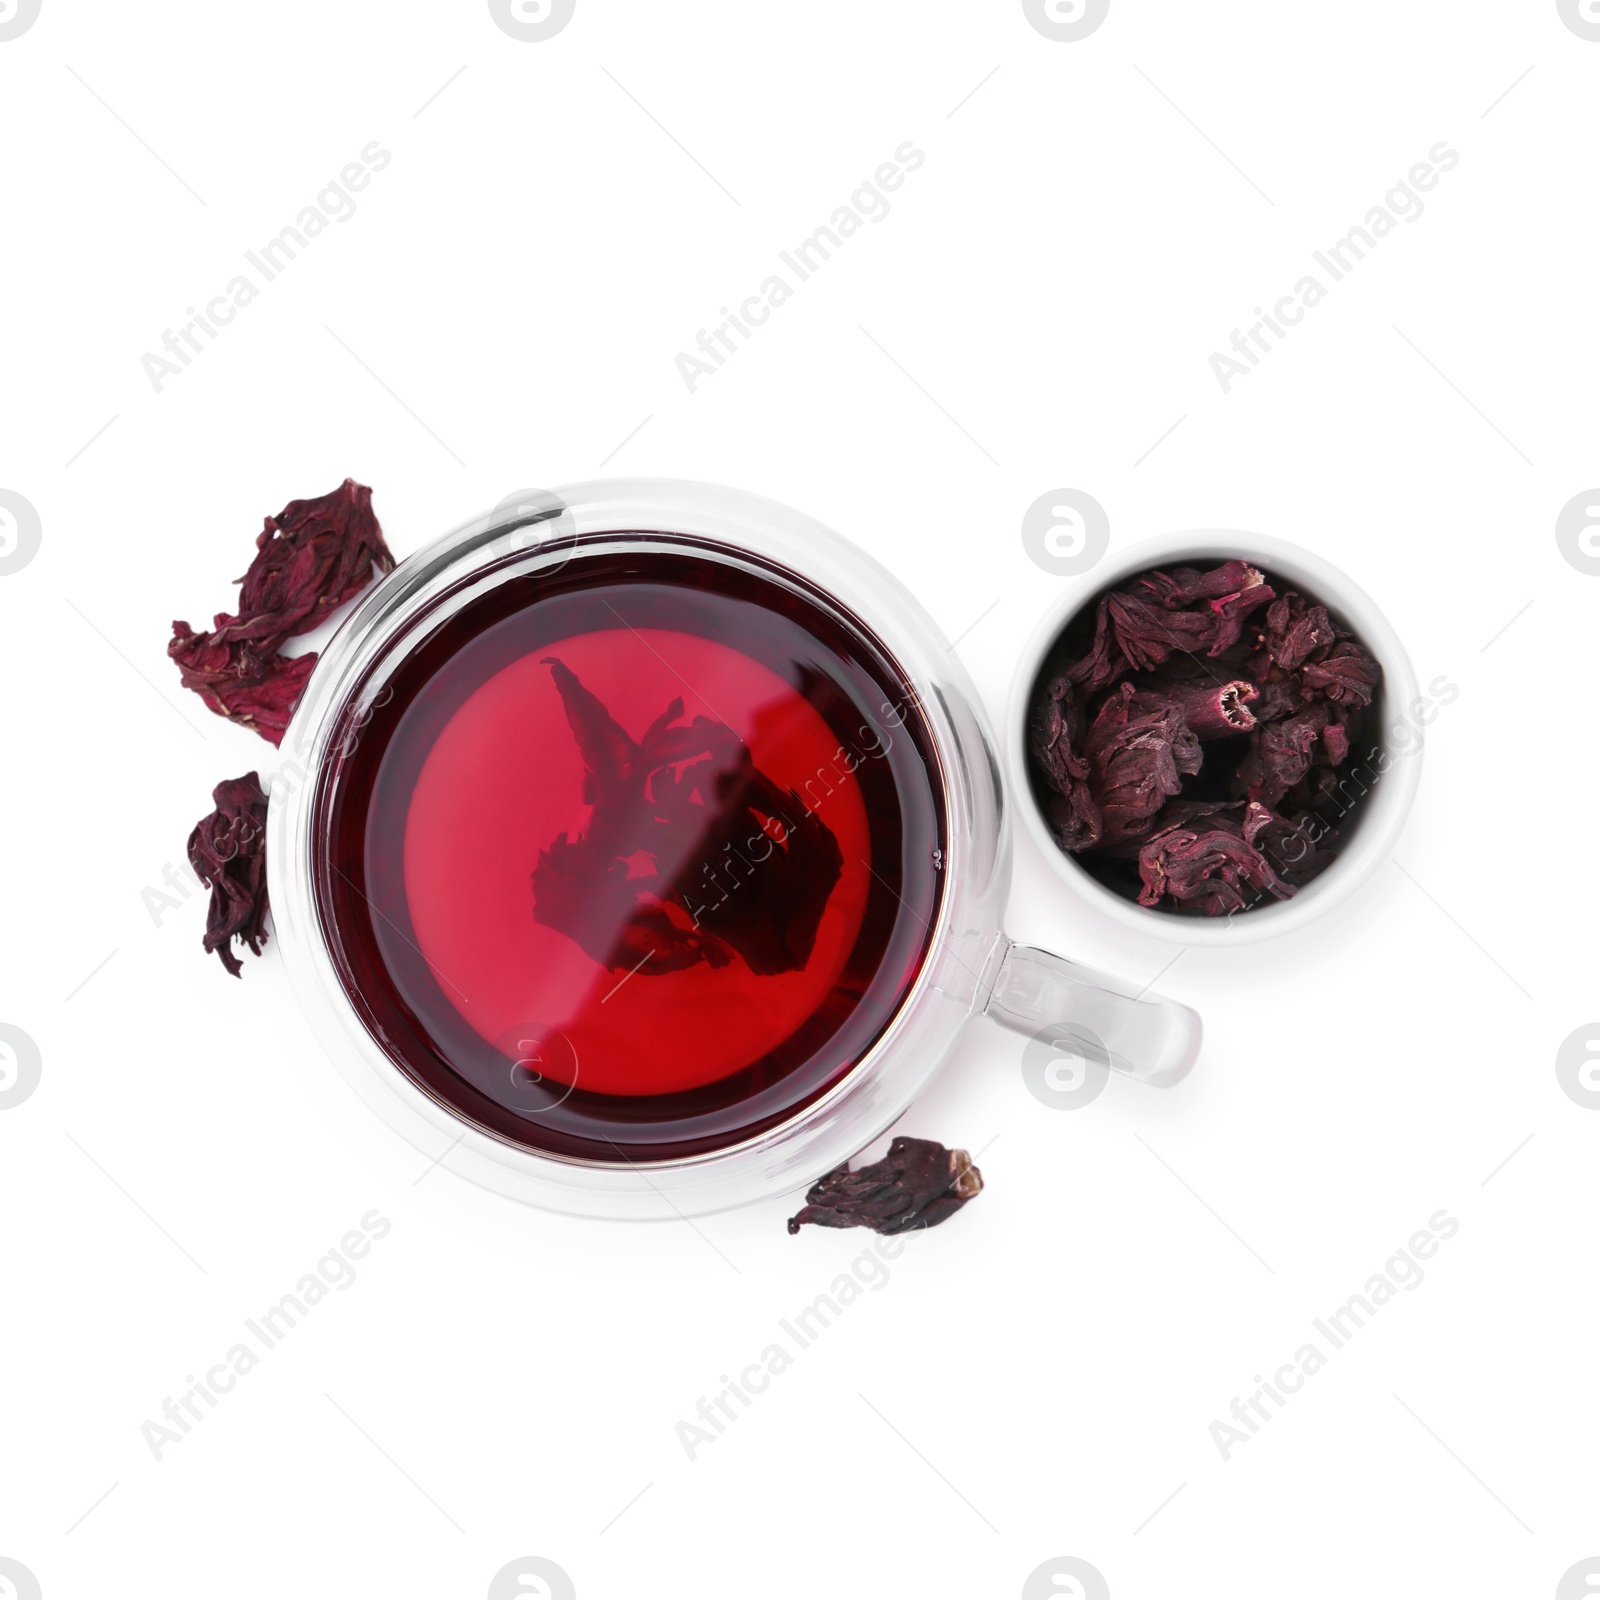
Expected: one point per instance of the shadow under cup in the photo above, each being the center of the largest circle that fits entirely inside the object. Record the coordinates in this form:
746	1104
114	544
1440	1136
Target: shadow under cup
635	860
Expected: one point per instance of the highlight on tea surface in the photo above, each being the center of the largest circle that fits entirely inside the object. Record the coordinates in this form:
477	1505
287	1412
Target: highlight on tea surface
1192	751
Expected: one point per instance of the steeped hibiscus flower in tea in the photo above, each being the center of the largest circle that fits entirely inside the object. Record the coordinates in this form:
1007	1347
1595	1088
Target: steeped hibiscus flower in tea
1193	741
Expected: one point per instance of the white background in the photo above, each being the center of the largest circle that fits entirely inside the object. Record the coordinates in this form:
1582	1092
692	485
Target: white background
504	309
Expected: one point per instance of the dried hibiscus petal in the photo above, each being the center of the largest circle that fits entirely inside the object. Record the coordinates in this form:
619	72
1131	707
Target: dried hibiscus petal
1212	710
1346	674
1281	753
258	692
1278	698
1197	613
919	1184
1055	731
1105	663
1296	853
1137	749
1293	632
1210	866
228	851
312	557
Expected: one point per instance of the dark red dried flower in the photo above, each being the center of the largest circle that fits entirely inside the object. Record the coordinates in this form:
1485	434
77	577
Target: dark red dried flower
311	558
1281	753
1278	698
236	681
1105	664
1297	849
1294	631
1193	814
1212	710
1198	613
1210	865
228	851
1137	748
919	1184
1056	731
1346	674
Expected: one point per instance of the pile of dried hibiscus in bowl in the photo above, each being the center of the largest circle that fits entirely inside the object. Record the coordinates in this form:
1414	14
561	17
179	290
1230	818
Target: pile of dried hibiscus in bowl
1190	738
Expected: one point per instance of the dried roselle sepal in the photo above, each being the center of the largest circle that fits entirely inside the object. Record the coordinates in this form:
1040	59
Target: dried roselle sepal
1281	753
1195	815
1293	631
1055	732
1137	749
1197	613
1313	794
228	851
233	648
311	558
259	693
1279	697
1346	674
1105	663
1211	710
1296	853
1186	612
1208	868
919	1184
1223	584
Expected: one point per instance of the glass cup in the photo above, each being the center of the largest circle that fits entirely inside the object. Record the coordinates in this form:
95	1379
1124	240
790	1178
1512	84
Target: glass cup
542	539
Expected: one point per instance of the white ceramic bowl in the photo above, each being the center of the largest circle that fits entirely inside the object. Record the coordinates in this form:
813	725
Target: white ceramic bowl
1390	776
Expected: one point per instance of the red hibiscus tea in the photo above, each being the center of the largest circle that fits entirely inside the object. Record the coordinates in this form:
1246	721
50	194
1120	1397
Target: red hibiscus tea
633	861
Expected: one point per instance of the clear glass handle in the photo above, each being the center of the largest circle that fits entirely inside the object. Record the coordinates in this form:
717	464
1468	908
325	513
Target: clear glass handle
1134	1031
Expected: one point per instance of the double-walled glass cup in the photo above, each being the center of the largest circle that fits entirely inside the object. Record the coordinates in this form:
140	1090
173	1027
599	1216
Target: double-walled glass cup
965	965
